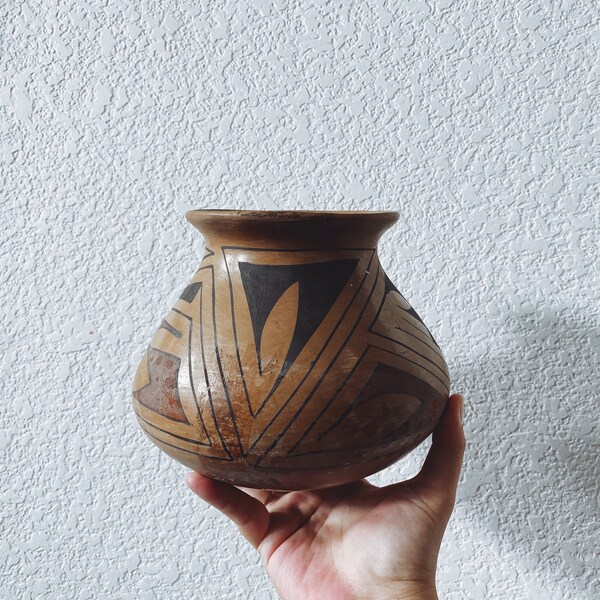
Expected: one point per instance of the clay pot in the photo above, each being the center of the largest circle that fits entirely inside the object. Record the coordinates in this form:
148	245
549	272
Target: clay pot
290	361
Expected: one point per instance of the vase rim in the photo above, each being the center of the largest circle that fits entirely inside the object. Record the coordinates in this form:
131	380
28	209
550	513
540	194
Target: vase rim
211	213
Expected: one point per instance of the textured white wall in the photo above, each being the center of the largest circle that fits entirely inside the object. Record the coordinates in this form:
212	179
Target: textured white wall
476	120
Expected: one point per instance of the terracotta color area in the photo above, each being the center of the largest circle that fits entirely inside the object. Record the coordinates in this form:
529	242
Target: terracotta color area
290	361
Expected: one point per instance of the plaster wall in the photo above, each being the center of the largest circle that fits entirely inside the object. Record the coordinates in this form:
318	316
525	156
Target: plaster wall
476	120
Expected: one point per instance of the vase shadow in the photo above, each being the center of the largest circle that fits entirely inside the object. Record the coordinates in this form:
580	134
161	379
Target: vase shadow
532	469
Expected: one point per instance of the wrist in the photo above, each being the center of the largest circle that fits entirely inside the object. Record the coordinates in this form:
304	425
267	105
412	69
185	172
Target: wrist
407	590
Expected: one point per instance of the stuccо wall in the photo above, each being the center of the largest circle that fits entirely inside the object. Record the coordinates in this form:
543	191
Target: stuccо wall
476	120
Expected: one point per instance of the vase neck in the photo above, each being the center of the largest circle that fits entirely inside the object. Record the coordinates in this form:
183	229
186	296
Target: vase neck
291	229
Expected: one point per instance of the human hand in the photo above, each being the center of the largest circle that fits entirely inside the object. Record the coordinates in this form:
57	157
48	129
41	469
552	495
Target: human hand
357	540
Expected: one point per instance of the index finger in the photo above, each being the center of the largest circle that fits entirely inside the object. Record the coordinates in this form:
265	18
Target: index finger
247	512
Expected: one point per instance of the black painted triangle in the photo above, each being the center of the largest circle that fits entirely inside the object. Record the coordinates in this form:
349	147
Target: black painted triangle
320	284
390	287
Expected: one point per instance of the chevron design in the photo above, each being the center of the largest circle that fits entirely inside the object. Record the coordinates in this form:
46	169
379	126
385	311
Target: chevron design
288	360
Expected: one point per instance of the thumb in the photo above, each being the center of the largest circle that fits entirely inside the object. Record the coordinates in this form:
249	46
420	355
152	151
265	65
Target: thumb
441	469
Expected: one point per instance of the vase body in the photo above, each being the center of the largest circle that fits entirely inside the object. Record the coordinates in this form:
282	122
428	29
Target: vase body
290	361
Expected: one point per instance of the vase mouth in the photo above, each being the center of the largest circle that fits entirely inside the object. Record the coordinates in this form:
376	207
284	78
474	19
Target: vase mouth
286	228
209	214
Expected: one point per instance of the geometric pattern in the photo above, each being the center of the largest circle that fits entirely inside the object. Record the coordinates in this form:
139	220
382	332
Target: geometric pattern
319	285
160	394
283	361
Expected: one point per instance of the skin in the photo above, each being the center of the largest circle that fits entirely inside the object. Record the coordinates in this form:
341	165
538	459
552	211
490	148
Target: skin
354	541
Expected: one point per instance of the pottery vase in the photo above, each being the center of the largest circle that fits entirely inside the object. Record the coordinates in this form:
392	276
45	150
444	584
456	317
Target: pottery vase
290	361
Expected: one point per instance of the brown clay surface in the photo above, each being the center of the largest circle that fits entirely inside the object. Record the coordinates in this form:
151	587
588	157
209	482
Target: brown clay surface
290	361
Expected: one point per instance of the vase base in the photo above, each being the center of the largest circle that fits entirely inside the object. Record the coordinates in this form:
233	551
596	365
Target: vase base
291	480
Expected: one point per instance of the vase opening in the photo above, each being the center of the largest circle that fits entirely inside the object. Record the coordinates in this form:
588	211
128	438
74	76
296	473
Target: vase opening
293	228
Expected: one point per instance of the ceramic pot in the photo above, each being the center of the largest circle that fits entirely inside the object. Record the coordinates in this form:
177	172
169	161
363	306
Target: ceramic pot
290	361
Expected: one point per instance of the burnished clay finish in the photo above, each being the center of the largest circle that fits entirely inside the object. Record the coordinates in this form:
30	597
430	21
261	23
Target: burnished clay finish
290	361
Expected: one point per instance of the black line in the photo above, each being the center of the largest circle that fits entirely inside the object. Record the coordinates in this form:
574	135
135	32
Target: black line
330	401
404	330
361	446
190	363
212	408
387	337
346	412
183	449
180	437
186	422
237	348
275	470
418	353
278	381
382	441
190	366
438	351
414	363
435	349
227	398
353	405
358	288
387	439
202	268
314	362
380	306
168	327
307	399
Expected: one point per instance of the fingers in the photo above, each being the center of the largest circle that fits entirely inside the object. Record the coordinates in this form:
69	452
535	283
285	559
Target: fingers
264	496
441	469
249	514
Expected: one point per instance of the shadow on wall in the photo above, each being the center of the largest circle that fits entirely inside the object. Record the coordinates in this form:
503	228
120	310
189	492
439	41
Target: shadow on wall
532	472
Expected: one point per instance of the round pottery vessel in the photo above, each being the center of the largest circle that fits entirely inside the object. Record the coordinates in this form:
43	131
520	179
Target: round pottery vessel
290	361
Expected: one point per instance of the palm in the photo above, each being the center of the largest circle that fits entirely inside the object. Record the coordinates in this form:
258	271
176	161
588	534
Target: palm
346	536
356	540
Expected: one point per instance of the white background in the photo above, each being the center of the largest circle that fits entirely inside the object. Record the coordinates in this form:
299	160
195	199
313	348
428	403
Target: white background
476	120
